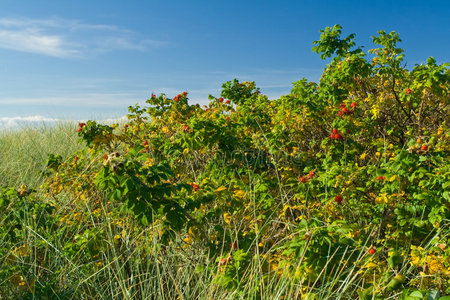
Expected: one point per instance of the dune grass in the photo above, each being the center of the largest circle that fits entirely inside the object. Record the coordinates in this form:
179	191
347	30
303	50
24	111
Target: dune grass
23	151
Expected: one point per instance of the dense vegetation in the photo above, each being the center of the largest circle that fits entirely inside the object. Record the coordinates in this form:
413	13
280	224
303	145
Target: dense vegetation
338	190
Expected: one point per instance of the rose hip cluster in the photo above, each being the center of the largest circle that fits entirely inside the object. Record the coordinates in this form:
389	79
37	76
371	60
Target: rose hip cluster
195	187
80	126
335	135
345	111
179	96
311	175
221	100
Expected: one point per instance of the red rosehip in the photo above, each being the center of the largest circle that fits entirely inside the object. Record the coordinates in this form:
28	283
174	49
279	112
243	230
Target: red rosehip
224	261
81	125
153	96
195	187
227	102
353	105
185	93
311	174
76	158
145	143
220	99
424	148
303	179
338	199
338	136
343	105
79	129
335	131
344	110
339	113
332	136
408	91
175	98
185	128
372	251
227	118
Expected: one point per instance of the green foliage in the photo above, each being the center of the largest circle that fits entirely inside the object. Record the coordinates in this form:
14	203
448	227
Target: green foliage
338	189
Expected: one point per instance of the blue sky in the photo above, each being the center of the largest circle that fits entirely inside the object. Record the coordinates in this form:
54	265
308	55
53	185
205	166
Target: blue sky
92	59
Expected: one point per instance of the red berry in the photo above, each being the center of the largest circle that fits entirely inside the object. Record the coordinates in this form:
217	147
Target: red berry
338	136
76	158
153	96
81	125
79	129
185	128
332	136
220	99
195	187
344	110
338	199
227	118
185	93
145	143
353	105
175	98
372	251
339	113
233	245
335	131
311	174
408	91
303	179
424	148
343	105
227	102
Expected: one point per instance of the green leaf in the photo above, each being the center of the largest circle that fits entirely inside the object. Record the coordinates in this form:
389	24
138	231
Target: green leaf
416	294
434	295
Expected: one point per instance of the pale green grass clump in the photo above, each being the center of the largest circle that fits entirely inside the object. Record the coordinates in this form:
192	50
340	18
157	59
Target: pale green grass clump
23	152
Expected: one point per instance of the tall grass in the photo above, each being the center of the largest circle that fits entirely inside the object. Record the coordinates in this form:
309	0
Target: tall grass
23	151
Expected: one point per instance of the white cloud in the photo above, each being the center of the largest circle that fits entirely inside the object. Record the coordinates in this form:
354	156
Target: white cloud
15	122
35	42
68	38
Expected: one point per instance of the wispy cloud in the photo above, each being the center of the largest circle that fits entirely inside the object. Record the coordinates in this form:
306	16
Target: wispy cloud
69	38
35	42
14	122
77	100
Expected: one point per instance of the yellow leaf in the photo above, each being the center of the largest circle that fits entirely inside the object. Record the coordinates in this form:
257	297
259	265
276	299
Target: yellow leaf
363	156
220	188
226	217
371	265
239	194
